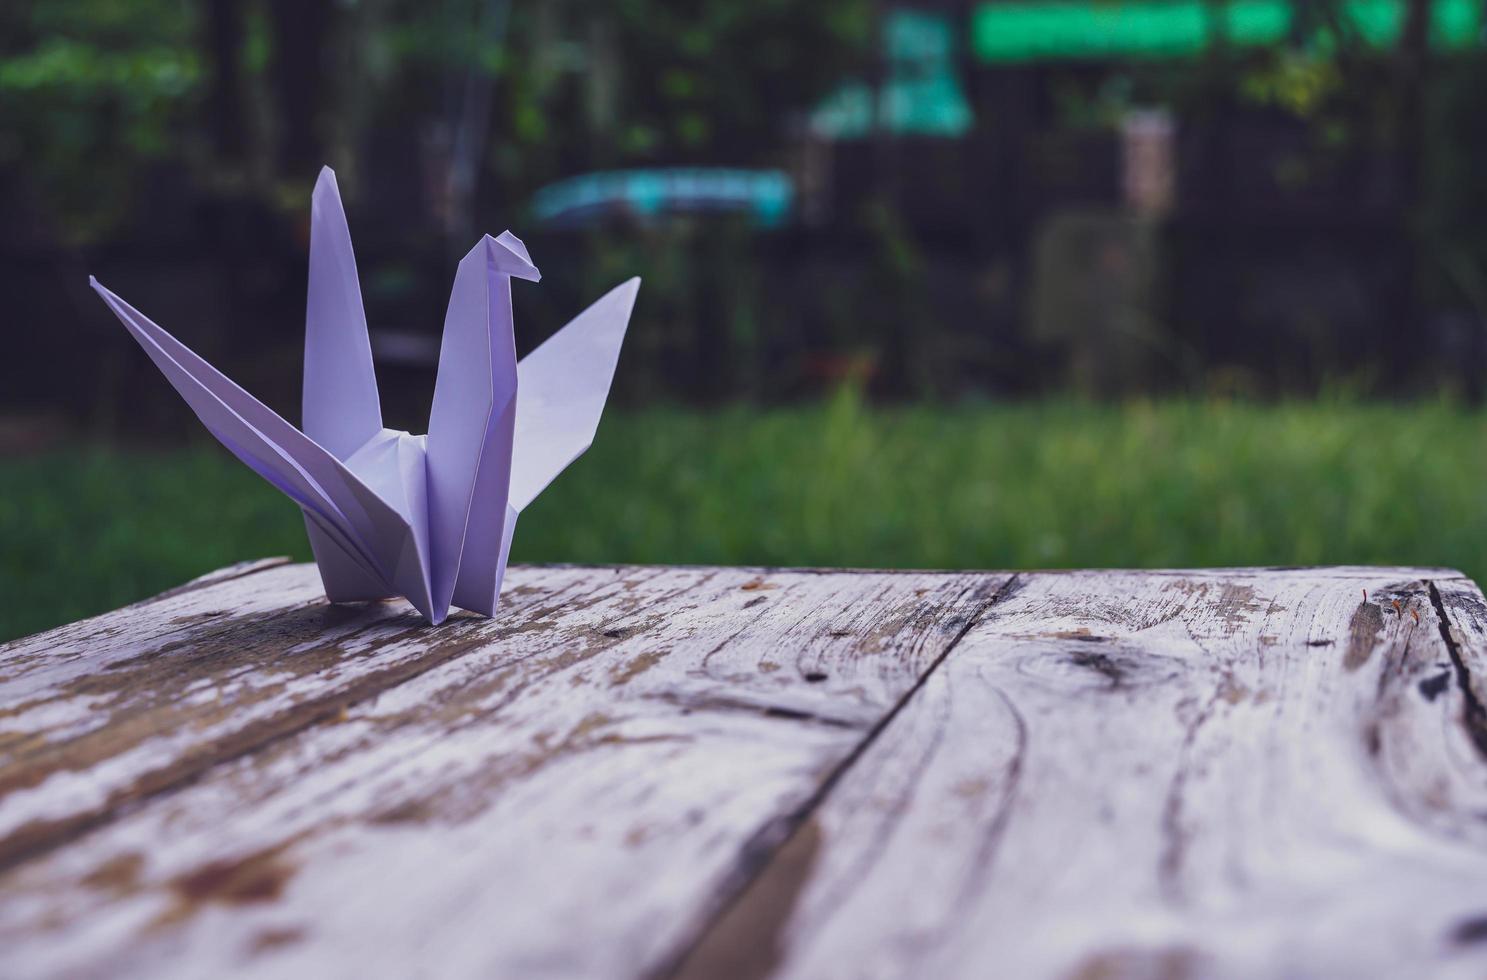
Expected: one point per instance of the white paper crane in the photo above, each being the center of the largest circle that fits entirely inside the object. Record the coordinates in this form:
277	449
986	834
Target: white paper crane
429	517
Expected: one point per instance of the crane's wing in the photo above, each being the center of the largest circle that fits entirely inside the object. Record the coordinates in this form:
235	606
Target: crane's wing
471	427
341	409
563	385
371	535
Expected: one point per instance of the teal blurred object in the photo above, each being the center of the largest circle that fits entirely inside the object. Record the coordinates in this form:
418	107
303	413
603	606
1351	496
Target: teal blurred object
922	96
765	195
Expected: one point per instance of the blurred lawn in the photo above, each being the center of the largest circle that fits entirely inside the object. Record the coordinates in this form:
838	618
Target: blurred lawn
1053	484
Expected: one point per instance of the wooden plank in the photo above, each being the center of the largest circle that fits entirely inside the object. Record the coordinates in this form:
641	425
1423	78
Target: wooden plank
99	714
572	792
1235	774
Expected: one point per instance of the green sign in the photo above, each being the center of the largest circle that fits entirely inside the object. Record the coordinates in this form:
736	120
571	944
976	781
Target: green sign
1023	31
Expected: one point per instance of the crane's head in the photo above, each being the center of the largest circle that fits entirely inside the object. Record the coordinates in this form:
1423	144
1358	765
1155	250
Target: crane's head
507	255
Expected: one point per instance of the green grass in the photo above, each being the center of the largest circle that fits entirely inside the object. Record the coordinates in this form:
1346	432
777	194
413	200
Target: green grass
1044	485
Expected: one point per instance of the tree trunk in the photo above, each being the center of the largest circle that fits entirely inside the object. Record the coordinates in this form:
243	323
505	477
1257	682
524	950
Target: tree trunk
301	29
224	103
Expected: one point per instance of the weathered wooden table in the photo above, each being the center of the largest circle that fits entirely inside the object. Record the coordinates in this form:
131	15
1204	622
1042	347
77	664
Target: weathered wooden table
745	772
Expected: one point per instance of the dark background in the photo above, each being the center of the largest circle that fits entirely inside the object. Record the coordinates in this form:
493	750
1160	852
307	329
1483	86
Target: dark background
986	284
970	208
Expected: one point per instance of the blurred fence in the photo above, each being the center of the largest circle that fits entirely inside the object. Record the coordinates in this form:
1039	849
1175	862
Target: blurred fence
940	200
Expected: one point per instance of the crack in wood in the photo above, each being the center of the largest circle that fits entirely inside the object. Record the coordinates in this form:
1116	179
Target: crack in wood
1174	836
1473	712
688	703
826	791
986	851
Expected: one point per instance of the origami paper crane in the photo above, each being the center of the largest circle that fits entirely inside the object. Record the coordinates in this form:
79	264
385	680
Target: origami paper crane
428	517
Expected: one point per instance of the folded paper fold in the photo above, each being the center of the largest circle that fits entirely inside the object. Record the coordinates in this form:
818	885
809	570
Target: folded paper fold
429	518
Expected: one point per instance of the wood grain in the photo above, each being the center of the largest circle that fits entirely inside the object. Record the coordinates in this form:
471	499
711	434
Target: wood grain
99	714
709	772
1231	774
570	789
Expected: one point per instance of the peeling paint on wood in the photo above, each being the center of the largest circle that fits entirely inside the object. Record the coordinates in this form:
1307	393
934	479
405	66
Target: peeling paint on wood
757	772
490	778
1204	790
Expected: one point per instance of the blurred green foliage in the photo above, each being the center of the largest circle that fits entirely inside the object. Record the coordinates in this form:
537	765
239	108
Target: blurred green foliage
164	122
89	90
1055	484
92	92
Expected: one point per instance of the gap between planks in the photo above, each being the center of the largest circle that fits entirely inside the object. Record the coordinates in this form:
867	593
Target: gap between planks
31	841
780	840
737	939
726	935
866	625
